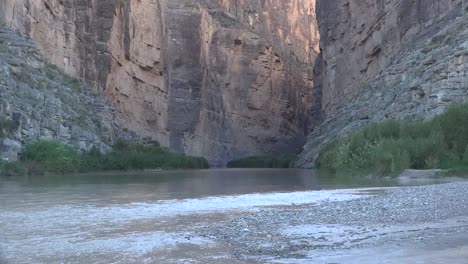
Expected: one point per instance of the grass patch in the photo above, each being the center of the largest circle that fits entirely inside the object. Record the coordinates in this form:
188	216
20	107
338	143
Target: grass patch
390	147
284	161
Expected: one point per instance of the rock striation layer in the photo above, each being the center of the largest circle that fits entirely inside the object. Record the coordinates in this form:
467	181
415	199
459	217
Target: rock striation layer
388	59
221	79
225	79
38	101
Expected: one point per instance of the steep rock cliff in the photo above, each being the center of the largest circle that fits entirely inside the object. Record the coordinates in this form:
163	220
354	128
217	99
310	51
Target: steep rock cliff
38	101
388	59
221	79
225	79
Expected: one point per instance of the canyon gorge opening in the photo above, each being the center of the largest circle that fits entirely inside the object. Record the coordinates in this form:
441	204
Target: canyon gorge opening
226	79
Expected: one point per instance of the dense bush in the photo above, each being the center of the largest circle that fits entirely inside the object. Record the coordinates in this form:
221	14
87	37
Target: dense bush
390	147
285	161
12	169
52	157
138	157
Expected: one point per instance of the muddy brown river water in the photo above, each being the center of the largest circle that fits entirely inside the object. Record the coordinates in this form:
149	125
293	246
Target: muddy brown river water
166	216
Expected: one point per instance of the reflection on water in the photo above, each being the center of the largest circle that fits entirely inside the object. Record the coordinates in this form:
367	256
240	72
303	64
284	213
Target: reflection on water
136	217
162	185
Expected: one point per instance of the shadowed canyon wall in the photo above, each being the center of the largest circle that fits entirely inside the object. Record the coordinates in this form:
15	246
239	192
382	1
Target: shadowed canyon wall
221	79
388	59
226	79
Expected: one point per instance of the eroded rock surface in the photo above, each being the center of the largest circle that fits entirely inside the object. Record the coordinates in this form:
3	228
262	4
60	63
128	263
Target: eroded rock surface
220	78
38	101
388	59
226	79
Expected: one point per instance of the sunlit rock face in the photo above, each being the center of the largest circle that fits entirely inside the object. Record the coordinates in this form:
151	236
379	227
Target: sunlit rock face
226	79
387	59
221	79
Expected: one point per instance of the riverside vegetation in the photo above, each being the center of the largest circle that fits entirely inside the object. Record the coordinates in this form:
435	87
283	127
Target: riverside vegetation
390	147
53	157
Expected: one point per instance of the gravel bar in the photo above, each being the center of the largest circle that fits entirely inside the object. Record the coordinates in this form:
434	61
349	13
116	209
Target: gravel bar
388	220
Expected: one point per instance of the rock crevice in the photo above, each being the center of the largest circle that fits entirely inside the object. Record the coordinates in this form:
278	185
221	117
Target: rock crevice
221	79
225	79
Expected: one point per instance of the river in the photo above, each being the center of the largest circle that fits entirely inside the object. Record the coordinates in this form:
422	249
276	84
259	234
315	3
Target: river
154	216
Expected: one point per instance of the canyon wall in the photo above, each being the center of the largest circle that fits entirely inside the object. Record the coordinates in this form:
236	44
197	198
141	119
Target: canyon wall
226	79
221	79
38	101
388	59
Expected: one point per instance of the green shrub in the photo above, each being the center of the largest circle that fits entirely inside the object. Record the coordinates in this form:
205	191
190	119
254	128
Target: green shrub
35	167
52	72
71	82
51	75
54	156
389	147
285	161
454	125
13	169
465	156
125	156
41	85
388	157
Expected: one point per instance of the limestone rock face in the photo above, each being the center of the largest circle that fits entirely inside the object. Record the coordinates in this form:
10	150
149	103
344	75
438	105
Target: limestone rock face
221	79
226	79
388	59
38	101
362	38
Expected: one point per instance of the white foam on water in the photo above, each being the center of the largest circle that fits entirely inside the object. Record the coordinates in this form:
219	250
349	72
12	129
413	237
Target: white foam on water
74	229
96	214
246	201
132	244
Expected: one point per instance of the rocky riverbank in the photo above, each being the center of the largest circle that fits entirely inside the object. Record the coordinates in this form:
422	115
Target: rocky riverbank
392	225
131	224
